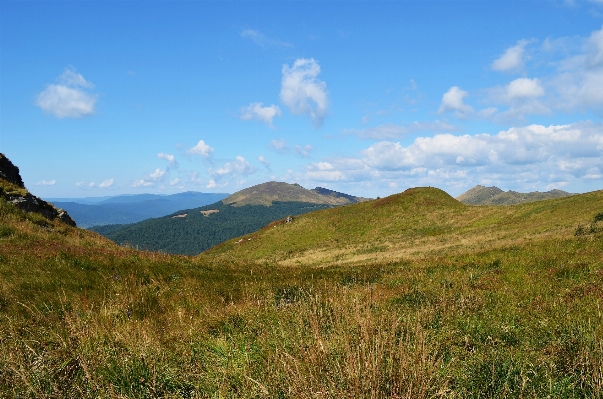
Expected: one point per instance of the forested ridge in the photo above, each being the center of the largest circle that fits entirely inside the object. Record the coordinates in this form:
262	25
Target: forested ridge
195	232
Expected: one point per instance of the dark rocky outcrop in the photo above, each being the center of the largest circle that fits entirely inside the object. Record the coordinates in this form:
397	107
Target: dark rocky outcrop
24	200
9	172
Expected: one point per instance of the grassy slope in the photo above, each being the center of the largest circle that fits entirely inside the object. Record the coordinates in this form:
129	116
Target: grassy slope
196	232
416	223
431	298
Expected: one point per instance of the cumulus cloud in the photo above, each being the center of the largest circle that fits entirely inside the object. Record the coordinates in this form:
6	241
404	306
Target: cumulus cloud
278	145
452	100
259	112
512	58
282	147
168	157
264	162
524	88
140	183
211	184
303	151
175	182
107	183
522	96
391	131
68	98
302	92
46	183
323	171
201	149
239	166
261	40
532	156
158	175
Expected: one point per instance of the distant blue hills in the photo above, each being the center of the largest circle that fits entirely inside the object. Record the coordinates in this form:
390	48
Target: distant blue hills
125	209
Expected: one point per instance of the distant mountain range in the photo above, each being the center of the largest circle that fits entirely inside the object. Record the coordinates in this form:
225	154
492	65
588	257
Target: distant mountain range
195	230
481	195
124	209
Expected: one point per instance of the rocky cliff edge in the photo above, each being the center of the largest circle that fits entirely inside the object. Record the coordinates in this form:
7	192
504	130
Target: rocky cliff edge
13	190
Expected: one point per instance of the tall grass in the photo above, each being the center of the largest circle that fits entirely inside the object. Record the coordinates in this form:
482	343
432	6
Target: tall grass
80	317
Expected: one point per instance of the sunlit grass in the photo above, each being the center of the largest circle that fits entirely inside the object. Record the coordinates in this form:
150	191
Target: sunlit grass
516	314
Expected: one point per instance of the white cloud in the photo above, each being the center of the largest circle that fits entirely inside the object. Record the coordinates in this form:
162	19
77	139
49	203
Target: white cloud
282	147
578	82
264	162
323	171
211	184
522	96
239	166
261	40
157	175
512	58
303	151
201	149
107	183
524	87
175	182
533	156
168	157
46	183
71	78
259	112
391	131
302	92
452	100
195	179
278	145
141	183
68	99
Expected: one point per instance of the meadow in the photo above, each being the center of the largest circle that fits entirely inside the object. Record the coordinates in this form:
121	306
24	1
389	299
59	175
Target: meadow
410	296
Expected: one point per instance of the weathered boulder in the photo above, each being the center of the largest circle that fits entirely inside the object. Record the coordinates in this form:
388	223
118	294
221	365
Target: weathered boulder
27	201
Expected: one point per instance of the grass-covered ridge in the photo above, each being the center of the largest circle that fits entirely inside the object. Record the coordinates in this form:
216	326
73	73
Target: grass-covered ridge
410	296
415	223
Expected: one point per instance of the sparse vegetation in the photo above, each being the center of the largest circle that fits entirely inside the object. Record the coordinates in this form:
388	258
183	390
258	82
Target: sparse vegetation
372	300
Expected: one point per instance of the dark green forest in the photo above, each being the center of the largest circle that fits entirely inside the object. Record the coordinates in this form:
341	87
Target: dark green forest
195	232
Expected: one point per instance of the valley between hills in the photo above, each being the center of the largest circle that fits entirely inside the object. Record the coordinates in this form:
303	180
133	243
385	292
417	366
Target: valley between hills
416	295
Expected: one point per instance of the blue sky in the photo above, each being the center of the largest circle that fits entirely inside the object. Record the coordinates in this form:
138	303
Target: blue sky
369	98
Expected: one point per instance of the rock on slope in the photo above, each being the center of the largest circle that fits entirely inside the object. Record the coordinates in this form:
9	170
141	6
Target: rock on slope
480	195
13	190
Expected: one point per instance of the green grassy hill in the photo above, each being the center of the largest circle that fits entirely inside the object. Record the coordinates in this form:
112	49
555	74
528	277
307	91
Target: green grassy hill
191	231
267	193
414	223
411	296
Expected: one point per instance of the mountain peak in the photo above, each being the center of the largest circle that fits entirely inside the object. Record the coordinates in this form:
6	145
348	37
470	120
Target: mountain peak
480	195
267	193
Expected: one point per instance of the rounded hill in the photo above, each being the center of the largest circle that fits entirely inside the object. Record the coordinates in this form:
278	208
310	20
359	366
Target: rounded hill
267	193
419	198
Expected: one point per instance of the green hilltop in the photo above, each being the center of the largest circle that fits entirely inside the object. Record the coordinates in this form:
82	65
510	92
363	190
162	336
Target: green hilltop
415	222
191	231
480	195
